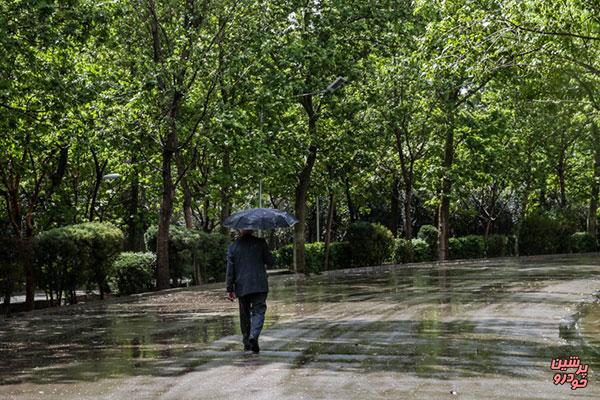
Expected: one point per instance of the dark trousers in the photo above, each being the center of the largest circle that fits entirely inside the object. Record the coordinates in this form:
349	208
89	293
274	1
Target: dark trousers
252	315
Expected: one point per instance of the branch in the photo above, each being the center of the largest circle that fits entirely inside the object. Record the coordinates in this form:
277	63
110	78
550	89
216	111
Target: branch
182	173
551	33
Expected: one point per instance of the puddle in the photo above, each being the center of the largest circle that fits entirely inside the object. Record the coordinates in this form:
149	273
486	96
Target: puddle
427	320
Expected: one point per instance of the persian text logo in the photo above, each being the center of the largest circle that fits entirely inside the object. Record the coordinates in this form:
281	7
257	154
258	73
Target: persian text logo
577	379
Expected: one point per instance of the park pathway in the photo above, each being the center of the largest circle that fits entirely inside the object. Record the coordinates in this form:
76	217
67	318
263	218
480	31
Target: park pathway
477	330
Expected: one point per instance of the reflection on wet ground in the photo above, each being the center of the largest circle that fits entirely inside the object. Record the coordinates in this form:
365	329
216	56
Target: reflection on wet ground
498	319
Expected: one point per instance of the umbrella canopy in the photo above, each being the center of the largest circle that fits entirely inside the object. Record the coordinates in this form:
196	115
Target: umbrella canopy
260	218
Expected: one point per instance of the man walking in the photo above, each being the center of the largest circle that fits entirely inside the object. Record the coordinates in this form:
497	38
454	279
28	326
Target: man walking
247	279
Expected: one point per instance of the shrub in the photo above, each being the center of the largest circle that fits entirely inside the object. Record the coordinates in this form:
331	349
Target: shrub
69	257
429	234
340	255
403	251
496	246
315	256
284	256
470	246
134	272
541	234
421	250
583	242
511	246
193	254
10	267
455	249
370	244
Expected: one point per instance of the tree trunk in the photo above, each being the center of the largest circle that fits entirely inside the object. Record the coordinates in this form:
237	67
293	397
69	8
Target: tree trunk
166	205
444	207
560	170
394	207
188	216
351	208
99	169
300	208
329	224
408	194
591	221
135	229
225	190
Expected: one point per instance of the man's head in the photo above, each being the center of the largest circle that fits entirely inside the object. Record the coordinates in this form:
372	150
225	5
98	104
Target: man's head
246	232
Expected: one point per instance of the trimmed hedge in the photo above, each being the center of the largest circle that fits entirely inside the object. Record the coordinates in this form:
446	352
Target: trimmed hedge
496	246
542	234
11	271
403	251
134	273
370	244
340	256
193	254
72	256
470	246
583	242
314	256
421	250
284	256
429	234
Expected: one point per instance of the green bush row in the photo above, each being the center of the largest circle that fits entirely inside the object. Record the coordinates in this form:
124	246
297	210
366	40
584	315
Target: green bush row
339	256
70	257
133	273
193	254
10	268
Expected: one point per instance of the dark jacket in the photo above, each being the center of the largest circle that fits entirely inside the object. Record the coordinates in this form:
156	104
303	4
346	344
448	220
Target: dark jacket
246	272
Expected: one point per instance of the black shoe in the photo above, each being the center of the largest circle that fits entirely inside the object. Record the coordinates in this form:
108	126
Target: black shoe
254	345
247	347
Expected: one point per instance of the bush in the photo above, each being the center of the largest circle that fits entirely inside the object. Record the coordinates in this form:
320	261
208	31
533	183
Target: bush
511	246
284	256
583	242
421	250
370	244
403	251
315	256
193	254
470	246
72	256
496	246
10	267
429	234
134	272
541	234
340	255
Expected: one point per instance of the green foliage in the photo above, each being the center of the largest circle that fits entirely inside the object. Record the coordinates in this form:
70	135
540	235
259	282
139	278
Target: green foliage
11	272
470	246
421	250
543	234
133	273
193	254
76	255
429	234
315	256
497	246
371	244
583	242
284	256
403	251
340	255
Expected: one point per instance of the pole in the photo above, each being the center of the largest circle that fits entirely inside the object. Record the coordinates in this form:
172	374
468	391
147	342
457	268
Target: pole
260	194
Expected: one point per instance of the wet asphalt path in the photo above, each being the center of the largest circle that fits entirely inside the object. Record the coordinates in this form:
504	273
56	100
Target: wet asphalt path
481	330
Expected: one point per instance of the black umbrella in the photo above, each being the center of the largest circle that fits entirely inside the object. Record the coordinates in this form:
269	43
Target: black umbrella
260	218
